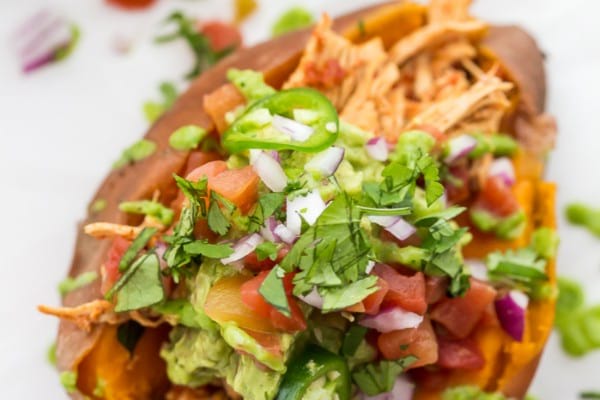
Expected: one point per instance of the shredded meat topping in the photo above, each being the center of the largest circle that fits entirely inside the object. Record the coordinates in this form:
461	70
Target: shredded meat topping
84	315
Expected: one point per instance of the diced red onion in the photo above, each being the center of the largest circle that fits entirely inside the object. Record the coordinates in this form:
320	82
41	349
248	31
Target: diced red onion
284	234
268	230
403	390
326	162
395	225
270	172
503	168
459	146
370	266
313	298
160	249
511	309
299	132
309	207
243	247
392	319
478	269
377	148
383	220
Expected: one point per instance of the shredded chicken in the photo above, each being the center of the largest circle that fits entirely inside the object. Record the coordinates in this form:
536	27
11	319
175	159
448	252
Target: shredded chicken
448	10
101	230
432	35
84	315
145	320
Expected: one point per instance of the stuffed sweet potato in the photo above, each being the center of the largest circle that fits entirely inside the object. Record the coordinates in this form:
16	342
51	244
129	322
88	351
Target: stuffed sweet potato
348	212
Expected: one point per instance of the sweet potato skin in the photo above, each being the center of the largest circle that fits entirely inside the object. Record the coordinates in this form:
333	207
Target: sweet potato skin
277	58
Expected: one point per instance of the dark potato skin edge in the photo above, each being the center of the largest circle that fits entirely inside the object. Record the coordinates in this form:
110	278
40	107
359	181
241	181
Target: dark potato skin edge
516	50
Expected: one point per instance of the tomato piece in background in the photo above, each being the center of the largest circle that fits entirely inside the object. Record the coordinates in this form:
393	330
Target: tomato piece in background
111	266
497	197
240	186
457	185
221	35
372	303
459	354
435	288
459	315
199	158
252	298
419	342
407	292
131	4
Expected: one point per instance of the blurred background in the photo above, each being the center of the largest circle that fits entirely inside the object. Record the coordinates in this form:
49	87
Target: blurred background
63	124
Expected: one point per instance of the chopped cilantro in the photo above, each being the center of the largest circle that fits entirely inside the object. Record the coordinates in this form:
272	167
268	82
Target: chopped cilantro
197	41
217	221
70	284
352	340
202	247
376	378
267	250
153	209
100	388
128	334
136	152
293	19
98	205
340	297
184	313
136	246
522	268
153	110
183	233
187	137
273	291
267	205
195	192
68	379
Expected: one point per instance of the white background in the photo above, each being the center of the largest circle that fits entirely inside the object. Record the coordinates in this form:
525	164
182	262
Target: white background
61	128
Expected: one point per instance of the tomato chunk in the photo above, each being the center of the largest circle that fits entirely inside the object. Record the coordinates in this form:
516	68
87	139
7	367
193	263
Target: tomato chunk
404	291
372	302
419	342
497	197
254	300
435	288
457	188
252	262
459	354
222	35
111	266
459	315
240	186
209	170
199	158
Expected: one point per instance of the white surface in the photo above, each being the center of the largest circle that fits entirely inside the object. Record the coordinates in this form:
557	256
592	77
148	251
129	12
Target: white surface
63	126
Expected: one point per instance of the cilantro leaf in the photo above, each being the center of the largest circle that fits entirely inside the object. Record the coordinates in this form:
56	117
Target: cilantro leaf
521	268
267	250
202	247
273	291
376	378
128	334
136	246
70	284
340	297
195	192
140	286
154	209
266	206
352	340
183	233
217	221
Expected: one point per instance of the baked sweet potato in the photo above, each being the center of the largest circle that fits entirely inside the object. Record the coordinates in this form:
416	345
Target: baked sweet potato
511	365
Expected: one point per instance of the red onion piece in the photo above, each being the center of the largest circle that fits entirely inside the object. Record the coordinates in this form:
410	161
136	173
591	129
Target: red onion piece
299	132
458	147
403	390
370	266
511	311
270	172
392	319
478	269
243	247
309	207
401	229
326	162
284	234
377	148
503	168
383	220
313	298
268	230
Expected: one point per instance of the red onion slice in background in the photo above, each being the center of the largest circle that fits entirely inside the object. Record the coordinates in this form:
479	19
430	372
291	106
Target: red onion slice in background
270	172
326	162
395	225
309	207
511	310
313	298
458	147
478	269
392	319
284	234
503	168
243	247
377	149
299	132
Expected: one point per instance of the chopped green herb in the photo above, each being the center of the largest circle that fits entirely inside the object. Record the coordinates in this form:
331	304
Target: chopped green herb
153	209
217	221
184	314
153	110
136	152
98	205
136	246
197	41
195	192
267	205
202	247
353	339
70	284
522	268
376	378
100	389
267	250
585	216
68	379
128	334
273	291
51	354
292	20
183	233
340	297
187	137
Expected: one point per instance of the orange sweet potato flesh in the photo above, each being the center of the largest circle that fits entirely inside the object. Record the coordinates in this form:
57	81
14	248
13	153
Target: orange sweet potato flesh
510	368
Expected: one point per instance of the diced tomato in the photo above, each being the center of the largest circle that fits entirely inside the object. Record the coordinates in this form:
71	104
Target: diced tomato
268	341
222	35
210	170
419	342
372	303
497	197
435	288
111	266
457	188
459	315
459	354
131	4
404	291
356	308
240	186
198	158
254	300
222	100
252	262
